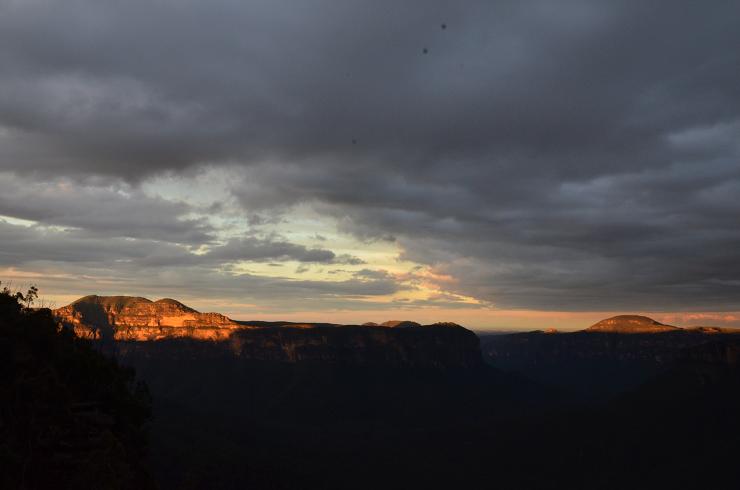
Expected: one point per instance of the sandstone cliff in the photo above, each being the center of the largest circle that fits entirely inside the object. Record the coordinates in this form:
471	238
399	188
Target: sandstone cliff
135	318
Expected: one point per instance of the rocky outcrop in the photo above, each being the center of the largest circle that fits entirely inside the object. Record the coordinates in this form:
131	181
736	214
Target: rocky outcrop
135	318
631	324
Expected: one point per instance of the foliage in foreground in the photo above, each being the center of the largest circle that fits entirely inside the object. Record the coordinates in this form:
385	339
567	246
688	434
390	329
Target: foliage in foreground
69	417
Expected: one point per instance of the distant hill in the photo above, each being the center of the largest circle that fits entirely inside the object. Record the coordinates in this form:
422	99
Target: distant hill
630	324
400	324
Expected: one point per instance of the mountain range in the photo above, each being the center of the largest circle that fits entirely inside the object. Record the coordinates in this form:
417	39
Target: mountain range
626	403
126	324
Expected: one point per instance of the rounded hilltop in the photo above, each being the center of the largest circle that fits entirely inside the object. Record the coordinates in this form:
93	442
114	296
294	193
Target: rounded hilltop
400	324
122	302
173	303
631	324
117	302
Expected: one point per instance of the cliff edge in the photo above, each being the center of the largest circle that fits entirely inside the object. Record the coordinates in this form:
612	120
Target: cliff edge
136	318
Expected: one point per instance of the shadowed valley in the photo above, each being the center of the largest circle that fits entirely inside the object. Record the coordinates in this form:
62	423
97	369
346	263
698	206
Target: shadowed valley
259	404
628	402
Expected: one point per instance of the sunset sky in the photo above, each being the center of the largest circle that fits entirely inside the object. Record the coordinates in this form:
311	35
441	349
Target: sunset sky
501	164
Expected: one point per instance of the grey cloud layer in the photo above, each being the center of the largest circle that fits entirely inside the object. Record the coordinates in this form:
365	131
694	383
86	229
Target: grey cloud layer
105	210
21	244
120	266
567	155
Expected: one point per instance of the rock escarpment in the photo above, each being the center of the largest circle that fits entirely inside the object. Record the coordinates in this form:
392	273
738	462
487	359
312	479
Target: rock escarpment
430	346
139	319
139	327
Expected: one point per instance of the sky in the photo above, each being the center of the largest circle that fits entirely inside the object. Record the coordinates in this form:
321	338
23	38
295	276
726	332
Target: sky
501	164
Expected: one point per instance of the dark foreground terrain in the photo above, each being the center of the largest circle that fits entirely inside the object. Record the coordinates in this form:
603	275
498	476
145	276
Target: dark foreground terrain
294	406
70	417
231	423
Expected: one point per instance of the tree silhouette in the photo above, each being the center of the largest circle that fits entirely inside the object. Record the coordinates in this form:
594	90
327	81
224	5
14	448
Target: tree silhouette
69	416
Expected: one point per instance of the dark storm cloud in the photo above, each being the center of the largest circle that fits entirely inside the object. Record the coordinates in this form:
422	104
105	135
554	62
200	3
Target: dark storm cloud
568	155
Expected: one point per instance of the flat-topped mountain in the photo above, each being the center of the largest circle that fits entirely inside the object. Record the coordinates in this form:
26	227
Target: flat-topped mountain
135	326
630	324
136	318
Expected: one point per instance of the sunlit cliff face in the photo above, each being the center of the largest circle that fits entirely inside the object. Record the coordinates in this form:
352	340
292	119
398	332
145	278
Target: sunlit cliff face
139	319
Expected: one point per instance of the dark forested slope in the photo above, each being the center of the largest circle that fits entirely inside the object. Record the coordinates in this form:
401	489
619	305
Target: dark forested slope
69	417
